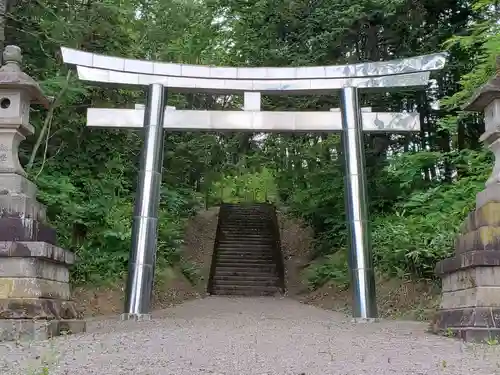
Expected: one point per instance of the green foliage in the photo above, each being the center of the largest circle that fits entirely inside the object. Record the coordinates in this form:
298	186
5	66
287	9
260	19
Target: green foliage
332	268
421	185
191	272
247	186
87	178
422	228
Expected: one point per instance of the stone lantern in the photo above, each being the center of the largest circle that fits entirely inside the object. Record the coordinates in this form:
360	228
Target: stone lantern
35	298
470	306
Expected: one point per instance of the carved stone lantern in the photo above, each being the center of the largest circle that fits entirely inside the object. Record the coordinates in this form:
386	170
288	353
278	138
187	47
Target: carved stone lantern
35	298
470	306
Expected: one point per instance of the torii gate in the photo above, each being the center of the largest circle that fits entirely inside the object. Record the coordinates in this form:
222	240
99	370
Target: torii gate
351	121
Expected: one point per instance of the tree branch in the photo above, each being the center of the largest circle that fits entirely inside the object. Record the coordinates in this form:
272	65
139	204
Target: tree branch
47	124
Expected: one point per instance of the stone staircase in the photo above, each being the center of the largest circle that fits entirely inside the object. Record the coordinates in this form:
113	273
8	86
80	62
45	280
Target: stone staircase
247	258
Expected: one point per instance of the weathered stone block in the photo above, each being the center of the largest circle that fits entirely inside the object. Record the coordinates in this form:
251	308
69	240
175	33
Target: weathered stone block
486	296
487	215
24	329
470	324
21	206
490	194
471	278
33	267
470	307
14	184
484	238
33	288
492	116
35	308
466	260
22	229
36	250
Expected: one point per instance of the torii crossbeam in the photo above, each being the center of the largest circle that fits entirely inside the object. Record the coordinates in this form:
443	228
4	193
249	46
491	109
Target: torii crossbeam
411	72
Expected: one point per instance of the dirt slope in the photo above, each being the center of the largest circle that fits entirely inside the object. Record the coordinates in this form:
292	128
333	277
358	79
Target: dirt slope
171	286
396	298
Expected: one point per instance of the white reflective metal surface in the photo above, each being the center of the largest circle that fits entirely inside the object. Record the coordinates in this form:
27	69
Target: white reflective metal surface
356	196
145	221
117	71
253	121
252	101
229	86
369	69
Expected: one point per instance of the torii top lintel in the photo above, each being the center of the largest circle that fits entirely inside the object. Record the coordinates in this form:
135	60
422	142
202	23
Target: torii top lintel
117	71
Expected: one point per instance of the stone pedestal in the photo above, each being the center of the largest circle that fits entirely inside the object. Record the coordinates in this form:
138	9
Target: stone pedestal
470	306
35	298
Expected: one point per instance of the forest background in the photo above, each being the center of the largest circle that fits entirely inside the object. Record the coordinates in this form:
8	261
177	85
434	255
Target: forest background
421	185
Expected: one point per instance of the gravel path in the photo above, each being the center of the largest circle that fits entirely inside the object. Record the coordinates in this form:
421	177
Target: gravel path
251	336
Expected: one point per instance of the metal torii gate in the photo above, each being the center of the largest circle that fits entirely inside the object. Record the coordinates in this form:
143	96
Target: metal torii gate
351	121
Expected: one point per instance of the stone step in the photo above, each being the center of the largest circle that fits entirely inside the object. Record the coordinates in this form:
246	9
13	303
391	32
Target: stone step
243	272
245	254
245	282
246	213
232	255
257	219
257	232
245	248
250	277
248	205
256	224
249	250
246	232
263	210
243	242
265	219
245	291
245	223
245	267
247	237
247	220
245	210
243	262
247	229
242	251
239	235
244	258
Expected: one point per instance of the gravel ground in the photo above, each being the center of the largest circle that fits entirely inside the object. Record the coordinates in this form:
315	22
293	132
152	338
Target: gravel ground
254	336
